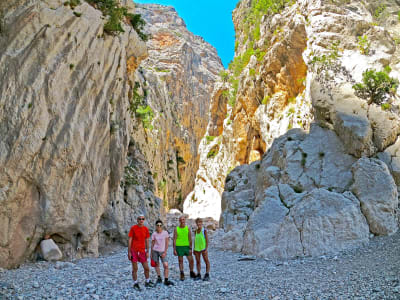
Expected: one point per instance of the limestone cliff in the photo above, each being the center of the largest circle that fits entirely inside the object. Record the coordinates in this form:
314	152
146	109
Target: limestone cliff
64	97
175	82
316	189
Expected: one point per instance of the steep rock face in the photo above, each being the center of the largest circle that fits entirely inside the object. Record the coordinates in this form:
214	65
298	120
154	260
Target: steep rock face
261	96
327	189
63	143
176	81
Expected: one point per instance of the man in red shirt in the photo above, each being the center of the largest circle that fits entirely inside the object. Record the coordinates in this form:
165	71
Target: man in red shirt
139	250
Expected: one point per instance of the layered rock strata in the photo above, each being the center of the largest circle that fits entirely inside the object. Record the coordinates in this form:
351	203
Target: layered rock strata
64	87
330	188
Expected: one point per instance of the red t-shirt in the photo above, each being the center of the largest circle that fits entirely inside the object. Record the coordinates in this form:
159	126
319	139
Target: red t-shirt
139	236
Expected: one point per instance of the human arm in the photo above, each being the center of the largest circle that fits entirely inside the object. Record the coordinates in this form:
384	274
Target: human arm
147	243
129	248
166	247
206	236
190	241
174	242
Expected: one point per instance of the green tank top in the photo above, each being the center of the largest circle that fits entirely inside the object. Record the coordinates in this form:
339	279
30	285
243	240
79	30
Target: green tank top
199	241
182	236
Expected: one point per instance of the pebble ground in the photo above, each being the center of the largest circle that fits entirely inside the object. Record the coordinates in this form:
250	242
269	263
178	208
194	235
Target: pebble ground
369	272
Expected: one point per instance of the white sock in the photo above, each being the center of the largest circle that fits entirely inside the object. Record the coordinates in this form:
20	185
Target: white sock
135	282
148	280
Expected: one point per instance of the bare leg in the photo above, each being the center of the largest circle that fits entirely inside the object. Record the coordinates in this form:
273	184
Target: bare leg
158	269
205	257
146	269
190	260
134	271
198	261
180	260
165	264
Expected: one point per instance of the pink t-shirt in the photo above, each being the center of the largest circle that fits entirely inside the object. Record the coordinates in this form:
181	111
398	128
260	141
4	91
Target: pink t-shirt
159	245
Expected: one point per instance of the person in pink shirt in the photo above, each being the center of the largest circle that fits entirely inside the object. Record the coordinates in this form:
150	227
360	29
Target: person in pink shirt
159	247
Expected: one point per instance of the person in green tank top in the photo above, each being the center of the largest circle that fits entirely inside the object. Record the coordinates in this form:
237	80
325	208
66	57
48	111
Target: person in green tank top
201	249
182	242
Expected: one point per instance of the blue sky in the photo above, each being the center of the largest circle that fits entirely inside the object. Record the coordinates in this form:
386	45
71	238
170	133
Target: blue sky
211	19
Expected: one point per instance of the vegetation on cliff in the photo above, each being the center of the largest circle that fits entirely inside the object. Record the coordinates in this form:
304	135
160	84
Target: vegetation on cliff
116	14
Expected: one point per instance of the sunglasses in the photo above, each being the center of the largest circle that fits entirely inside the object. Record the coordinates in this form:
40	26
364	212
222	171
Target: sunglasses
141	219
159	225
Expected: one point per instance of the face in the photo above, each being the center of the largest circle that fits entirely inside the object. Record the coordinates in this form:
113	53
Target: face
182	221
199	224
159	227
140	221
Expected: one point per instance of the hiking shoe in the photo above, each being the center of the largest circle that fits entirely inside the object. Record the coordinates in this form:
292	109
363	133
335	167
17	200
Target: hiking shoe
168	283
149	284
206	277
137	287
198	277
159	280
192	275
182	276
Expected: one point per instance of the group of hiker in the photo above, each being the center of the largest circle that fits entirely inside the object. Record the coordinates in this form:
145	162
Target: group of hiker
140	249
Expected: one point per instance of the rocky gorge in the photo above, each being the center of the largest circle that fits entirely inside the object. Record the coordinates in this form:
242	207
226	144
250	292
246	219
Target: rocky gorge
291	149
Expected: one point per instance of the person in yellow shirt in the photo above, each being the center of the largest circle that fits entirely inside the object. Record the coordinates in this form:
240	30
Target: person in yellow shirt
201	249
182	242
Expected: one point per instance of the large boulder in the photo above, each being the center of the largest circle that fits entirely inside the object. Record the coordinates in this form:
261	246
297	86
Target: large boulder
375	188
321	222
50	250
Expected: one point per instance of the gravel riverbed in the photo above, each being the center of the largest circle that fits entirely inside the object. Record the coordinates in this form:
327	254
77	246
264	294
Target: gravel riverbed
369	272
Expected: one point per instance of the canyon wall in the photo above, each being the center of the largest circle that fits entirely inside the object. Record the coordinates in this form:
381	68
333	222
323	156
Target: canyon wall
90	137
312	189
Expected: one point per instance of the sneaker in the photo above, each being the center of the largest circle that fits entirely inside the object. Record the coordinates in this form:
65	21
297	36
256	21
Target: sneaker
182	276
167	282
137	287
192	275
149	284
159	280
198	277
206	277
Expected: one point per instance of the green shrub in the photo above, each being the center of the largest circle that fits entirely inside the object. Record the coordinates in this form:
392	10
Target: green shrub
73	3
398	16
266	99
259	54
146	114
212	153
113	25
252	72
379	11
136	100
364	45
376	86
116	14
225	93
162	184
224	75
77	14
386	106
138	24
210	138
